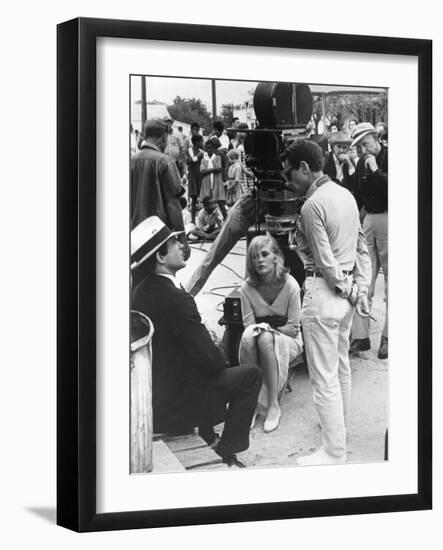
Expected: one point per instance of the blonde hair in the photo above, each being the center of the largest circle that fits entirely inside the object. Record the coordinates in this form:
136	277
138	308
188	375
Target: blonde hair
257	244
233	154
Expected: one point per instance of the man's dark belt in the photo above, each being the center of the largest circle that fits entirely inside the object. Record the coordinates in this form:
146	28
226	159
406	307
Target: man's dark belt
376	211
310	273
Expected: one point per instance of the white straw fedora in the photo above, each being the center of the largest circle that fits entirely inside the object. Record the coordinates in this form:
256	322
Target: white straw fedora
147	238
362	130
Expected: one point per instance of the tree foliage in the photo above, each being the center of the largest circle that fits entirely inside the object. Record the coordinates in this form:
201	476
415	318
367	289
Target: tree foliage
191	110
227	114
342	107
317	112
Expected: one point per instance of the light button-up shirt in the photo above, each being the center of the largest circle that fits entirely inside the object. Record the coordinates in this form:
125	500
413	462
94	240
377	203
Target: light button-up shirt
329	238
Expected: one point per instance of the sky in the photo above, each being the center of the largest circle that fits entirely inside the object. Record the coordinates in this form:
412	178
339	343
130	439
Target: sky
165	89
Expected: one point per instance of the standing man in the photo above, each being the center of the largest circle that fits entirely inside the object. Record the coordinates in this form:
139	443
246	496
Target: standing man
174	145
372	197
191	384
333	249
338	163
155	182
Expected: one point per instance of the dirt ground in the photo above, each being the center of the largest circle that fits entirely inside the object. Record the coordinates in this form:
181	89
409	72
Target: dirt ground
299	430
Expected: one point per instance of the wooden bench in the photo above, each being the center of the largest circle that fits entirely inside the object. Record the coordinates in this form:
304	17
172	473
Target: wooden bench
192	453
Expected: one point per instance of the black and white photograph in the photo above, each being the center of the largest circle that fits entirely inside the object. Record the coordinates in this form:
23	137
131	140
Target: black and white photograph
231	348
258	274
201	345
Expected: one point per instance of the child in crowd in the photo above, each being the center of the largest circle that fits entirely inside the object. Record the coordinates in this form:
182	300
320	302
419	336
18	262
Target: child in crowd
234	188
247	175
188	224
209	220
211	172
194	156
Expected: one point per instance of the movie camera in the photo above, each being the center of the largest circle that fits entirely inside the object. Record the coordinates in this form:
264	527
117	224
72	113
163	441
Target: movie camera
282	111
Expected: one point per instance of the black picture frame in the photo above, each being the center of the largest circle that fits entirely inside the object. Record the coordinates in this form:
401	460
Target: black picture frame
76	278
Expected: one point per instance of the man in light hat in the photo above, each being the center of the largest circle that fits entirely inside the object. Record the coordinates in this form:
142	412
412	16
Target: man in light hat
372	197
338	164
191	384
155	181
174	145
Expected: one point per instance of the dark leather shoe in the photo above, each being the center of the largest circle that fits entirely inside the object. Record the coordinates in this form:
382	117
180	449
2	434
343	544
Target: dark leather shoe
359	344
383	351
232	460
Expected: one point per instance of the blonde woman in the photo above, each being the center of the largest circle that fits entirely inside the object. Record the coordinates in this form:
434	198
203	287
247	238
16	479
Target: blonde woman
271	308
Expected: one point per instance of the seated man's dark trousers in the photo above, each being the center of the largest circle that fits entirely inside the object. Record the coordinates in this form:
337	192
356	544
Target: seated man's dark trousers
239	387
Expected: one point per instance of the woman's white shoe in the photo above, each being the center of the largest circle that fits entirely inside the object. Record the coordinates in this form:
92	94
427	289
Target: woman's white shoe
272	424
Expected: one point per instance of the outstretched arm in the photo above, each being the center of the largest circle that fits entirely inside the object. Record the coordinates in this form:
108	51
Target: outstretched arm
236	225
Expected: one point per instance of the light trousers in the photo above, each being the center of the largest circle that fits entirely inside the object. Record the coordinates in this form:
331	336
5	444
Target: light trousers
375	228
326	320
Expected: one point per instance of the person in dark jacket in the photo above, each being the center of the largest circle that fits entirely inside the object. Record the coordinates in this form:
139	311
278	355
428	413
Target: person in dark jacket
155	181
372	199
338	164
191	384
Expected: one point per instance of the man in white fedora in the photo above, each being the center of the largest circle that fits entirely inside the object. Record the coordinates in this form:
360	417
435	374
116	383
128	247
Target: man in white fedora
191	384
372	198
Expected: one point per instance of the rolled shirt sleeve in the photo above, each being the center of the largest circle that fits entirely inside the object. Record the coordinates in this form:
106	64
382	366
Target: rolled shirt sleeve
363	267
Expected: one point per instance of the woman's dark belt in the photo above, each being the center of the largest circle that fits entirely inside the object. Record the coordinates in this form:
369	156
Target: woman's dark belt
310	273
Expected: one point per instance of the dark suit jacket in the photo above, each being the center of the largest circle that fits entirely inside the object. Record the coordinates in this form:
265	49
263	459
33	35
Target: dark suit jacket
329	169
185	360
155	187
372	188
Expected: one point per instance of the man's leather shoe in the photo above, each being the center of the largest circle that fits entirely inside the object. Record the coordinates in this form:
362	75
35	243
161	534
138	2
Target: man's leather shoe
232	460
383	351
359	344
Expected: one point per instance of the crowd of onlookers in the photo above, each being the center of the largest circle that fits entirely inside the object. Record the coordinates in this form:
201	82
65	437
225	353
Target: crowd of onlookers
341	236
214	174
212	169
